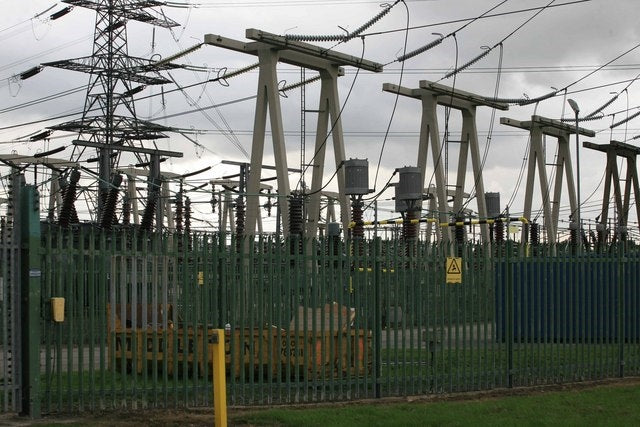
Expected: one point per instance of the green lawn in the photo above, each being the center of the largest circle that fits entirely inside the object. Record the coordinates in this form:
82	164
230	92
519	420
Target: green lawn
604	405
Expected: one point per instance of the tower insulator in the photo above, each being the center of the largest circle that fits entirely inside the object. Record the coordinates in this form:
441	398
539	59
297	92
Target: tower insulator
108	214
499	230
409	229
240	216
573	233
146	223
296	222
535	233
67	211
356	215
459	235
187	215
179	210
459	231
296	215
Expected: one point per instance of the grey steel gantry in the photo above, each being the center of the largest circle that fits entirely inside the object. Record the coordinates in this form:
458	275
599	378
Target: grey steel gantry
539	126
271	49
431	95
614	150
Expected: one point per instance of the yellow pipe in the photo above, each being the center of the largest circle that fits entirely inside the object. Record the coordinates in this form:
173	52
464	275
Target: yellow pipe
219	379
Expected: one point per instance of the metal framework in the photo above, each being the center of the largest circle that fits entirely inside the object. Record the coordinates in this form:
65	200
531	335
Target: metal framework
539	126
432	95
271	49
109	116
612	175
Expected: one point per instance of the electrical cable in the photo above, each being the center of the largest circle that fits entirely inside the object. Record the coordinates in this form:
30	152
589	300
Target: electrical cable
437	42
487	51
341	37
395	102
455	21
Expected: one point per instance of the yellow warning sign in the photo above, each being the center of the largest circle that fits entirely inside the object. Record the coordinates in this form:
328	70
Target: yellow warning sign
200	278
454	270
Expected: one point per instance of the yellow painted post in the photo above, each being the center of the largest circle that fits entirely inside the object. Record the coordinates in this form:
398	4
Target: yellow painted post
219	379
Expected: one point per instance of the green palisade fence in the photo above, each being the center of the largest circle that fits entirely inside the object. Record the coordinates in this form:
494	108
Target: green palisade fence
345	320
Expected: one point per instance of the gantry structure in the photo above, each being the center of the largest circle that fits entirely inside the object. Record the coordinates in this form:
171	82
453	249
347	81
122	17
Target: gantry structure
539	127
431	96
270	50
622	202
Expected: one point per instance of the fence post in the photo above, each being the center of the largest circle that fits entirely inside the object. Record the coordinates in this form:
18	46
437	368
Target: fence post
621	277
377	322
510	316
29	208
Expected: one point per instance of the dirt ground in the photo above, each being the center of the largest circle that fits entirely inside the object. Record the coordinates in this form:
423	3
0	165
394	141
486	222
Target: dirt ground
196	417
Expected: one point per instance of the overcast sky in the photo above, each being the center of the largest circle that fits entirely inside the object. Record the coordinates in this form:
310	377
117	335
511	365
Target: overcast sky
557	49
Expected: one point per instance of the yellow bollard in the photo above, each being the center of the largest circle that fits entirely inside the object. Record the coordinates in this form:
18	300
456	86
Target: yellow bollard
219	379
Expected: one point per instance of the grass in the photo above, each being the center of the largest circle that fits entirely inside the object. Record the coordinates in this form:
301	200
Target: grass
603	405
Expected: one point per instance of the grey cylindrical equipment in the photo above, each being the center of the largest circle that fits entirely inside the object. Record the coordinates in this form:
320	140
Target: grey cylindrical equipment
493	204
333	229
409	187
356	174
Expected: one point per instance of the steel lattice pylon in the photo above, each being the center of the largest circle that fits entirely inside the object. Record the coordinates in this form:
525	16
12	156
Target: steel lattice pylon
109	116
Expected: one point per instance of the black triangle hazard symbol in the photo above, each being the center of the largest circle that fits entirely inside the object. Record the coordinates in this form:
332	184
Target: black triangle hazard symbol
454	268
